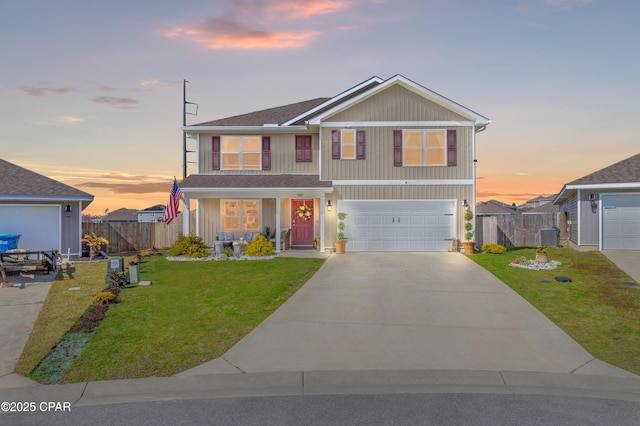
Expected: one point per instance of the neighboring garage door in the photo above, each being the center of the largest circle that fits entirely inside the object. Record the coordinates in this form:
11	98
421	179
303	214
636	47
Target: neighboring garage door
621	222
399	225
38	224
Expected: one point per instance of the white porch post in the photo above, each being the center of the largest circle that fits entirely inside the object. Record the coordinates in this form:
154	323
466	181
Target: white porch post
321	227
278	225
185	216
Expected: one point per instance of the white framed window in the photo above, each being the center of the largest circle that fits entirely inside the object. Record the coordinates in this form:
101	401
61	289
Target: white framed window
241	215
424	148
240	152
348	144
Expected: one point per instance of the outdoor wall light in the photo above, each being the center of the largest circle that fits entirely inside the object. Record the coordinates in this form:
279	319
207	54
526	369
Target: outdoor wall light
67	210
328	205
465	205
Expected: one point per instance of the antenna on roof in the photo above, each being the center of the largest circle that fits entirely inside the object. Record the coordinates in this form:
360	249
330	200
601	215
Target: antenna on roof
184	123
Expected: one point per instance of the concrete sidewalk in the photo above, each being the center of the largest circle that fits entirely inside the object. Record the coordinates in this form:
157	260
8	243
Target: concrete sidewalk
627	260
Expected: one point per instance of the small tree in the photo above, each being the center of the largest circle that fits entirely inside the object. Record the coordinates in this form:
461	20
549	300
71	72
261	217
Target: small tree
94	243
468	226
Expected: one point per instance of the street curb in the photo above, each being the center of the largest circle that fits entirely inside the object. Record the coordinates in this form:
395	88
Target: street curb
329	383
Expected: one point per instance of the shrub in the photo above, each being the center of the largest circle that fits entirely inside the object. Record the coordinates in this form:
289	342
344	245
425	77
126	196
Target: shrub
104	298
259	246
228	251
493	248
189	246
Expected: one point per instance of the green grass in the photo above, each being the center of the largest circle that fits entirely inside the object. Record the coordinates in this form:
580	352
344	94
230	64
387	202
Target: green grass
193	312
61	309
595	309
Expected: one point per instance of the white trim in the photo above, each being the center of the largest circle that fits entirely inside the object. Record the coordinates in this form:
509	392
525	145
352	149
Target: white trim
198	154
254	129
349	124
335	99
407	182
256	192
579	217
606	186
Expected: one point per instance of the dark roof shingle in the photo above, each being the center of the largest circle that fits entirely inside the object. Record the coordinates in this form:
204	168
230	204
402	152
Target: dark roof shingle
17	182
624	171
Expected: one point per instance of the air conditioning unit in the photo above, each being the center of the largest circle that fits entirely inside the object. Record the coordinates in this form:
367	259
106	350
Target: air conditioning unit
548	237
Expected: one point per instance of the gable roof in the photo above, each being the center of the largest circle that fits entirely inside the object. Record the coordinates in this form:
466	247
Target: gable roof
156	208
492	208
314	110
20	184
121	215
623	174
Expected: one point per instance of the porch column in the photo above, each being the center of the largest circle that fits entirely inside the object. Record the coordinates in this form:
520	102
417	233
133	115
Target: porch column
321	227
278	225
185	216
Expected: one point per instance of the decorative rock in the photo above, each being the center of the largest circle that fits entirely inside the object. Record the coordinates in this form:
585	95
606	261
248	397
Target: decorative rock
629	284
144	283
74	288
563	279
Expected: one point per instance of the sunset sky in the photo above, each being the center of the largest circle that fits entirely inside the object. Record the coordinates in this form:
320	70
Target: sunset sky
91	91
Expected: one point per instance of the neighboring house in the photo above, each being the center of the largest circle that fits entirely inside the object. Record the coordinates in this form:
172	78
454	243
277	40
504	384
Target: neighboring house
602	209
120	215
538	201
493	208
47	213
153	214
398	158
542	209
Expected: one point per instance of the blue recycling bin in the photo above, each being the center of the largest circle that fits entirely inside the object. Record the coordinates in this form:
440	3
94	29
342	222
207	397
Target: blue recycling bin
9	241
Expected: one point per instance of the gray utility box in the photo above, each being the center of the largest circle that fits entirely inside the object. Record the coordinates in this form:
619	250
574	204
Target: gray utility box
114	264
548	237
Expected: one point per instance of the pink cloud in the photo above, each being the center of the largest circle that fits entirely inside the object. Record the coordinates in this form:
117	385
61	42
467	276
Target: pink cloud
121	103
219	34
45	91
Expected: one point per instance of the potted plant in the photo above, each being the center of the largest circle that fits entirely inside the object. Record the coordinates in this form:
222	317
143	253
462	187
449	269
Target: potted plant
341	241
541	255
469	246
94	243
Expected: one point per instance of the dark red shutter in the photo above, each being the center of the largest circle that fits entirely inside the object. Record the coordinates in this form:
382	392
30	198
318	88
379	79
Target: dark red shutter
215	149
303	149
360	145
266	153
452	147
335	144
397	148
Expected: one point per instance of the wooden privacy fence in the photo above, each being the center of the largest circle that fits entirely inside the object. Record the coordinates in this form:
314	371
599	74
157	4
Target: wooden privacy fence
517	229
135	236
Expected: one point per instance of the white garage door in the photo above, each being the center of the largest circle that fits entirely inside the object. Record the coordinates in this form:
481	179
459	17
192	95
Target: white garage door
399	225
621	222
38	224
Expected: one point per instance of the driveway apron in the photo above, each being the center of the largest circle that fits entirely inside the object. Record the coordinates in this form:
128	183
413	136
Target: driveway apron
406	311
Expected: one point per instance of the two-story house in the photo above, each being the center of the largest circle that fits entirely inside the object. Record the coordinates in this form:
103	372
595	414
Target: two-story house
398	158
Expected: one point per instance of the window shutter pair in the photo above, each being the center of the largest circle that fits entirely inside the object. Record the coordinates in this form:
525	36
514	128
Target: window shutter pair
360	145
266	153
452	147
303	149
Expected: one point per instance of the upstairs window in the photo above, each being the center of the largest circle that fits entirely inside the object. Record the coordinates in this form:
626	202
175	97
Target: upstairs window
240	152
348	144
348	138
422	148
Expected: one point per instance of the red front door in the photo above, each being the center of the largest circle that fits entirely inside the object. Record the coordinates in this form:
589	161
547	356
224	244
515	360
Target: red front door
301	229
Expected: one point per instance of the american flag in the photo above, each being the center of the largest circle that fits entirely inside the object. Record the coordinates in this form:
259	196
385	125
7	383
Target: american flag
174	202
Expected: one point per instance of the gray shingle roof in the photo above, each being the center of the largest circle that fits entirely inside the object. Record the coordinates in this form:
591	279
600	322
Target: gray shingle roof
624	171
253	181
17	182
277	115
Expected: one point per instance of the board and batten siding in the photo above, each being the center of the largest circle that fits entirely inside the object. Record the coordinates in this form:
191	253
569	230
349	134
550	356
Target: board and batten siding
283	155
396	103
210	223
378	162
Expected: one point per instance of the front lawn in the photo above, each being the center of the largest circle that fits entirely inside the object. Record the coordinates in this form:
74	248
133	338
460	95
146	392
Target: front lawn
193	312
595	308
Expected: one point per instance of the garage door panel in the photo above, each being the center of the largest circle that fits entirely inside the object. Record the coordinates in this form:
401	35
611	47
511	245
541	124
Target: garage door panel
39	225
621	222
425	225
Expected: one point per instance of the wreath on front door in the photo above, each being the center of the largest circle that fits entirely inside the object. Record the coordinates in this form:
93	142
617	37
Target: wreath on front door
305	212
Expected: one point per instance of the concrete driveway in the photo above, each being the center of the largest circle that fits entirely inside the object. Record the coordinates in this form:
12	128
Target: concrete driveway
406	311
